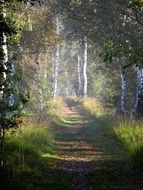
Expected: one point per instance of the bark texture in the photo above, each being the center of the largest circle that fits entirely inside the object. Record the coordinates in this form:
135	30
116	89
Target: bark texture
56	62
138	107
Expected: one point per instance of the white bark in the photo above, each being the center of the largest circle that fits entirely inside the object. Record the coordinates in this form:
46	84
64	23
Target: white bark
79	75
11	98
139	87
10	68
5	57
56	62
85	68
123	88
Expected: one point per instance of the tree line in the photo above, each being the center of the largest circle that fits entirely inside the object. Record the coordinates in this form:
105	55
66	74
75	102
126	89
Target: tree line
69	47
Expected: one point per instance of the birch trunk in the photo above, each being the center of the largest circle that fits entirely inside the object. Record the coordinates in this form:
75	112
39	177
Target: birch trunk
3	76
4	58
57	62
79	75
123	88
138	107
85	67
4	67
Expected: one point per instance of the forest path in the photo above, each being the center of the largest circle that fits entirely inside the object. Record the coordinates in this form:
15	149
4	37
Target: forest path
84	146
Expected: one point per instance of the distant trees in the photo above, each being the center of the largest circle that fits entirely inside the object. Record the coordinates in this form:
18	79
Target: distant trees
68	47
56	61
37	47
102	22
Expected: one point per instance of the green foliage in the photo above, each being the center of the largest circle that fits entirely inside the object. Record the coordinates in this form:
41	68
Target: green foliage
136	57
111	50
11	121
138	3
107	81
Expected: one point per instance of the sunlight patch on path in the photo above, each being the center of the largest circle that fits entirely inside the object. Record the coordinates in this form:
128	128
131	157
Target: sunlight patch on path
78	157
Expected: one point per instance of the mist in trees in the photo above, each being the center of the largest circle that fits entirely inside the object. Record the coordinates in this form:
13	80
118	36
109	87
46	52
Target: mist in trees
69	48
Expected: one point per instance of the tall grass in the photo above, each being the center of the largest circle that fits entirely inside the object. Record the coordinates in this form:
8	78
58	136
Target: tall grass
58	107
30	160
93	106
24	145
58	113
24	148
130	133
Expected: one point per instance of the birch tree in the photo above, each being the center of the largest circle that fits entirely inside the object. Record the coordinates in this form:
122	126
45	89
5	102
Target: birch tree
3	75
138	106
9	108
123	88
79	74
56	63
85	66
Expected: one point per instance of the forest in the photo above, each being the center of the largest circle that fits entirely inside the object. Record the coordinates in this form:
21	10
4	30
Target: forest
71	94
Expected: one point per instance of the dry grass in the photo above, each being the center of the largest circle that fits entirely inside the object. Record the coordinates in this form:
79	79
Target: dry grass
58	108
92	105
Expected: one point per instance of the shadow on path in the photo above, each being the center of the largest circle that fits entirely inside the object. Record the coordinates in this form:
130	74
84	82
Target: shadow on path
90	153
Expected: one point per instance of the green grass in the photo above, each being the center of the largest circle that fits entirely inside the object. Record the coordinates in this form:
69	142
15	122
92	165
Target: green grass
31	162
130	133
124	140
34	138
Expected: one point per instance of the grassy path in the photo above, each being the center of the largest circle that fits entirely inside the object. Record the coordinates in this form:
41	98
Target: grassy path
91	155
87	154
75	152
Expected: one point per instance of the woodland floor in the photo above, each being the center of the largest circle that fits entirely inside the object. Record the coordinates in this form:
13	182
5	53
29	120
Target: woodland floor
91	155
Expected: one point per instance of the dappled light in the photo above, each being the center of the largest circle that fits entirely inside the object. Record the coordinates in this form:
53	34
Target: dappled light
71	95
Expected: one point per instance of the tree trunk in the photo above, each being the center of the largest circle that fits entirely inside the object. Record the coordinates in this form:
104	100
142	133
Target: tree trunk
138	107
4	57
83	57
57	62
85	67
79	75
3	77
123	88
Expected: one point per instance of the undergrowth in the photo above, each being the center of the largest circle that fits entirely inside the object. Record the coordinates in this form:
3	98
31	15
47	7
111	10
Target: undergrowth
93	106
130	133
30	160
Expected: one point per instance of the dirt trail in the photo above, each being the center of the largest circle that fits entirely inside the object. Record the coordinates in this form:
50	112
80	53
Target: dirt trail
79	157
87	148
